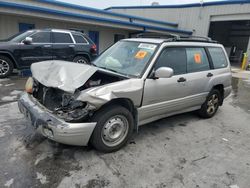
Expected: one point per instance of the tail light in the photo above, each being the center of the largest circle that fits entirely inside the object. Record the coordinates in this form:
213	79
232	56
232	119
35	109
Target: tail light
93	49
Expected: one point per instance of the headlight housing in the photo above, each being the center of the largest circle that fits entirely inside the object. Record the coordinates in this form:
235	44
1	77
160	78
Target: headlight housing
29	85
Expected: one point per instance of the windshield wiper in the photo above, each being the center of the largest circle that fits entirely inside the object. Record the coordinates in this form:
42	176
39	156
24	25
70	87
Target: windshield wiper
108	69
127	75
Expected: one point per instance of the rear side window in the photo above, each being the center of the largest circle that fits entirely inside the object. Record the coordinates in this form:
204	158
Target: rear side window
80	39
62	38
197	60
41	37
174	58
218	57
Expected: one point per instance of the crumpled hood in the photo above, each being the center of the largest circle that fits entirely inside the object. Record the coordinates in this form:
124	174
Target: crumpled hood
64	75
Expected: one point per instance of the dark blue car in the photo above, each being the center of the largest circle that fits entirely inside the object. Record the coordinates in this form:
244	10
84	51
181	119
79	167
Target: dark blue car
23	49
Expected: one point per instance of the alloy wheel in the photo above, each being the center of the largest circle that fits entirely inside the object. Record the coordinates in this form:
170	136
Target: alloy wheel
4	67
212	104
82	61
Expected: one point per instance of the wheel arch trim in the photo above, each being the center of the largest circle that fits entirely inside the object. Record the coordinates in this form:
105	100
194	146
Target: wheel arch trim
82	54
9	55
126	103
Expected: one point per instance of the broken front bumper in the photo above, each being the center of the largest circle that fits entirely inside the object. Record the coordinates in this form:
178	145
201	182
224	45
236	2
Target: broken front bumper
51	126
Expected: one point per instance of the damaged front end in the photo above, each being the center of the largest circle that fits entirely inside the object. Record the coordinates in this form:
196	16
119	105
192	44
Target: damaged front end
61	98
62	104
60	95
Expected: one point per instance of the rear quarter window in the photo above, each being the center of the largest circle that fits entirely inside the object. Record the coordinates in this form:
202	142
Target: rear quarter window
218	57
79	39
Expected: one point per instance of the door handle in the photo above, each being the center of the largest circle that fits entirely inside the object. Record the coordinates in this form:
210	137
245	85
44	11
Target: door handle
71	45
181	79
47	46
209	74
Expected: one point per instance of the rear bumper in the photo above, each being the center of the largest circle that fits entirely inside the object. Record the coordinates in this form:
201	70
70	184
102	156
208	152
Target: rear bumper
52	127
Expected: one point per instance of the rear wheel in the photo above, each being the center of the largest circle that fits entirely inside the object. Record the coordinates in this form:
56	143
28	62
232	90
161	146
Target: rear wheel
6	66
113	129
81	60
211	105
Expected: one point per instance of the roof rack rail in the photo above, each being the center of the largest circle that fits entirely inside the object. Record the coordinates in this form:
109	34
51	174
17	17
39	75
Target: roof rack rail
155	35
199	37
196	39
176	38
76	29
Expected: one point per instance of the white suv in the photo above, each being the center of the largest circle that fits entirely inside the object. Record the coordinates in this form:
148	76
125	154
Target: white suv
134	82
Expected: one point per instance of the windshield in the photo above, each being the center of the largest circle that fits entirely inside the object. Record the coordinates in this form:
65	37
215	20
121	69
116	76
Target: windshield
126	57
20	36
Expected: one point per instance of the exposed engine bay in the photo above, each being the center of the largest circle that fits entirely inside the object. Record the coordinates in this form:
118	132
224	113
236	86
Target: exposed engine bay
64	104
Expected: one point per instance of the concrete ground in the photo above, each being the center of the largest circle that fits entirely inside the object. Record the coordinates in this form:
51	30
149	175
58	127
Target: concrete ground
183	151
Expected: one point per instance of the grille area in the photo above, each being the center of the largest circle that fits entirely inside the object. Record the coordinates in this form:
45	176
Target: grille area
51	98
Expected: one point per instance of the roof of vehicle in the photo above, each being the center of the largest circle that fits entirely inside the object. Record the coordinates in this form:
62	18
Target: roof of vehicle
58	30
181	41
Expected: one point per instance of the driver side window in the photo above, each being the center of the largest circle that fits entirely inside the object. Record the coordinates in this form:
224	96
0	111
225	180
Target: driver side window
41	37
174	58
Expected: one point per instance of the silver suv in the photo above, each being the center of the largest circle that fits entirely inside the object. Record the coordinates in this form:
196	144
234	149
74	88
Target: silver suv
134	82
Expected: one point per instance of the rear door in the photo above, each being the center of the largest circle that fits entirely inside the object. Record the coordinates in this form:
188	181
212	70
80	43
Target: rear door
199	74
63	46
39	50
82	46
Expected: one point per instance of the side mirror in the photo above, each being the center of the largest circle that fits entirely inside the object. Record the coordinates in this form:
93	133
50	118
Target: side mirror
27	40
163	72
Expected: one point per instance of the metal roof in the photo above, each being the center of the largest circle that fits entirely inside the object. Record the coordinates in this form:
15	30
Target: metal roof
143	27
204	4
95	10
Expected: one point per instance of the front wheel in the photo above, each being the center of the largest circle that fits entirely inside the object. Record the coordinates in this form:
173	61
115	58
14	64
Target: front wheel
211	105
113	129
6	67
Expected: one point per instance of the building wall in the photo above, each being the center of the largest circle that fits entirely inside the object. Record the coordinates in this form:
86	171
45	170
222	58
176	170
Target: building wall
193	18
9	25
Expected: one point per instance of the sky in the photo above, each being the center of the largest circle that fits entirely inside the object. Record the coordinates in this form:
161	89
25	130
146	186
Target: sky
101	4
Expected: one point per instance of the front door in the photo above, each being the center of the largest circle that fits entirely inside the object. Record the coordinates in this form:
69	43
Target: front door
38	50
165	95
94	36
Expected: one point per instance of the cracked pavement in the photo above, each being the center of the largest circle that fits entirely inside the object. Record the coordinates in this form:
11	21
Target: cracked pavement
177	152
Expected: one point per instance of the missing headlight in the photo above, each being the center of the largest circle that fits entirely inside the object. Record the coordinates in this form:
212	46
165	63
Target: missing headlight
72	110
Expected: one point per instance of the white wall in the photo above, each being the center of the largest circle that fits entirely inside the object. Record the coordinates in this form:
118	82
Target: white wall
194	18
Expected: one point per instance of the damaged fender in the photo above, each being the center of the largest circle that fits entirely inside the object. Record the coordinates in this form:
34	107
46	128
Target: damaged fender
130	89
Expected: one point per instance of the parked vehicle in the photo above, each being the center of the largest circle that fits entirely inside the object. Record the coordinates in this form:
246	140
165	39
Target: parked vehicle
134	82
23	49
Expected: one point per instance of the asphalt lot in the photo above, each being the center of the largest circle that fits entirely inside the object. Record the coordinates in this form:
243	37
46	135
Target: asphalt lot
176	152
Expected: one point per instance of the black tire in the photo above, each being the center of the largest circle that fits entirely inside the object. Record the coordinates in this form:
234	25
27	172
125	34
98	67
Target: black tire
207	111
103	118
81	60
6	66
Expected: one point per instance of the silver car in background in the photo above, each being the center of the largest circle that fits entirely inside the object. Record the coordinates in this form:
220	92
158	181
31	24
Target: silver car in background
134	82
